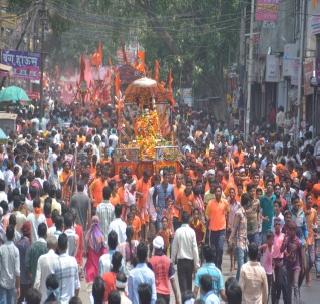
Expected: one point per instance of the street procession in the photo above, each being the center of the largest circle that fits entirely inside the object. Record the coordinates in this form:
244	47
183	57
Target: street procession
159	151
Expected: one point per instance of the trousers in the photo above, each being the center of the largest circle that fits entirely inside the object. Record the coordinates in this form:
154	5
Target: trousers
185	269
216	240
280	282
7	296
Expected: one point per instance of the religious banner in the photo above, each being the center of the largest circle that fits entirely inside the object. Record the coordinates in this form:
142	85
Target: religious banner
267	10
24	64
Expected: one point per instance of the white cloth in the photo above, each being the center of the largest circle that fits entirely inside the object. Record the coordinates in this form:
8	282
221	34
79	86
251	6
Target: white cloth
45	267
150	205
105	213
120	227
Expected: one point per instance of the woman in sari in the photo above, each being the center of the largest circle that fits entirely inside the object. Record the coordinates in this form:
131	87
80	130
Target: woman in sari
94	242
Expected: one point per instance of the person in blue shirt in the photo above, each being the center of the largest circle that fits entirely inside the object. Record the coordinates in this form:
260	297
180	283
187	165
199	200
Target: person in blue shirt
161	194
141	274
267	207
298	216
214	272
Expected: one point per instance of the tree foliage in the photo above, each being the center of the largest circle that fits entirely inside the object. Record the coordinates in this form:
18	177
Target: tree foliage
197	39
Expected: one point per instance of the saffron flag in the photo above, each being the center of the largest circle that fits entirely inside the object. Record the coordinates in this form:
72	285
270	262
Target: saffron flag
140	63
117	85
170	89
156	70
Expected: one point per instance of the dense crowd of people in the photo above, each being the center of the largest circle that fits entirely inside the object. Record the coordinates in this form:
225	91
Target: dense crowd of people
67	217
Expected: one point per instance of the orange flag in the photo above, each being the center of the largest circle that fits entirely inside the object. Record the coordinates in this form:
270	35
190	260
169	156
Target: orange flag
156	70
170	89
97	56
140	63
100	53
110	61
314	3
117	85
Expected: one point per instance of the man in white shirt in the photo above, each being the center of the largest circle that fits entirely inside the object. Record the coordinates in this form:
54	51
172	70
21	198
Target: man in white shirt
118	225
280	118
66	271
253	279
45	266
113	137
105	211
3	194
185	253
36	219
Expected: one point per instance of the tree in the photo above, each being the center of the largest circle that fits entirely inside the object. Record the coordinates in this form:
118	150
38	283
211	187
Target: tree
197	39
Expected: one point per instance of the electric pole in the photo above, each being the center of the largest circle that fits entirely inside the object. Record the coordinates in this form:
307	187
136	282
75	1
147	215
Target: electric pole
250	74
43	19
301	59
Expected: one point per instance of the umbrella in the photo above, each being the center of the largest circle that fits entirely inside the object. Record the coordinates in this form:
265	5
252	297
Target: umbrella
13	94
143	90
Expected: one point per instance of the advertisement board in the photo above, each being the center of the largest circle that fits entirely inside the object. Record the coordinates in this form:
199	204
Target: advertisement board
24	64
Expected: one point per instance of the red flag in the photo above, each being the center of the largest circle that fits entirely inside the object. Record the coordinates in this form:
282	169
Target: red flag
156	70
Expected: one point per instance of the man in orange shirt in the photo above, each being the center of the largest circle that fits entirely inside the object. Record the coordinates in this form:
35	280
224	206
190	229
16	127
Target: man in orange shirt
217	212
96	187
178	188
143	186
134	221
185	199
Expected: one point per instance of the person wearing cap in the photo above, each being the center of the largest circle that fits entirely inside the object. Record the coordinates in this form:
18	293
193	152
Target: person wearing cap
163	271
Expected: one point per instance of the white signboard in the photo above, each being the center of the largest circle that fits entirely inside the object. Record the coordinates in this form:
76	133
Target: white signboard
289	57
272	68
186	96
